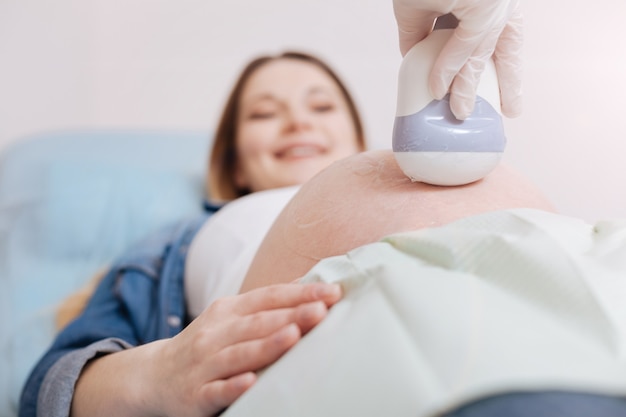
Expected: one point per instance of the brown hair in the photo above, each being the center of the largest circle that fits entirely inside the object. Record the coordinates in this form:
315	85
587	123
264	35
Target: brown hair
221	183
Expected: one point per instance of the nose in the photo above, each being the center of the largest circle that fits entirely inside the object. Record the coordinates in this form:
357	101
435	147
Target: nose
298	119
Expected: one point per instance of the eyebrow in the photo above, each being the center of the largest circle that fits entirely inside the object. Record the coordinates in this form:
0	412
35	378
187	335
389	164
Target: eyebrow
312	91
320	89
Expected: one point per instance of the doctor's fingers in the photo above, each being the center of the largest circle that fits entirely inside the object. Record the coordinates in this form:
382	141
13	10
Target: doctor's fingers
413	26
508	60
465	84
463	45
283	296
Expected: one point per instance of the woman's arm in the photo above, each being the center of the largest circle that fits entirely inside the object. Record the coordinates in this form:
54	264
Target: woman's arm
210	363
104	326
196	373
106	360
363	198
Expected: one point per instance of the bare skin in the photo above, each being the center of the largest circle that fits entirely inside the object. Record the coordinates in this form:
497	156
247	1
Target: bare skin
210	363
365	197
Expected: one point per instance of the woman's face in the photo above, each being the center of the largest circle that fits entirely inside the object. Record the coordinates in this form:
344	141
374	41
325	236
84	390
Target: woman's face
293	122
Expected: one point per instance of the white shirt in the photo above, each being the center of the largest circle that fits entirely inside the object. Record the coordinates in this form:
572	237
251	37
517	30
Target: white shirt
222	251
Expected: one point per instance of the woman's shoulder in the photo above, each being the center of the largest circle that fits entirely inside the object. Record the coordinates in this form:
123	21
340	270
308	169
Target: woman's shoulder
156	243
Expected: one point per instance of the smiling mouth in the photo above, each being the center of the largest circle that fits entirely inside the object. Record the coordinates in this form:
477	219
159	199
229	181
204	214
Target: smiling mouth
297	152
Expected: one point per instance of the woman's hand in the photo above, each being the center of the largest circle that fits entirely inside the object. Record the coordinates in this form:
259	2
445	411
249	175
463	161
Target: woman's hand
210	363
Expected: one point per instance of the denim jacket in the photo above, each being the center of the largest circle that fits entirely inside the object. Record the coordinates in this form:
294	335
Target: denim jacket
140	299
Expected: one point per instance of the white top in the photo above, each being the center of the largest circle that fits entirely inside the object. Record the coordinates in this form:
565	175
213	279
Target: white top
222	251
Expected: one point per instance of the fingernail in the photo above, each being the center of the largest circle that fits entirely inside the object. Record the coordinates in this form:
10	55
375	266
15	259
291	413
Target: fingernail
311	312
325	290
245	381
461	111
286	333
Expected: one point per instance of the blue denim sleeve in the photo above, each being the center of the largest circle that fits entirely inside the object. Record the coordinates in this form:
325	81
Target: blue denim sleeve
124	306
133	304
57	388
105	316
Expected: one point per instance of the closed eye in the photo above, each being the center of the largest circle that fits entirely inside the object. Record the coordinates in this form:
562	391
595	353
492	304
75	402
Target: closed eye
261	115
323	108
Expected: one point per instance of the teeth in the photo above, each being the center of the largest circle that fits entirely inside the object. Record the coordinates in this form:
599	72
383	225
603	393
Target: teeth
300	151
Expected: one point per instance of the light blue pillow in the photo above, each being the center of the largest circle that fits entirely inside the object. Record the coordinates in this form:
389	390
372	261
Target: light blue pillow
71	202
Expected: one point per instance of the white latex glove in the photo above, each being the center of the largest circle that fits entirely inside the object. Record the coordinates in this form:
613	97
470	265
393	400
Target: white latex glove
486	28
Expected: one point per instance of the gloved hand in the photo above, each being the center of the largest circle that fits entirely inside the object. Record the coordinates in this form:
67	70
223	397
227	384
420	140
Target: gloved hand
486	28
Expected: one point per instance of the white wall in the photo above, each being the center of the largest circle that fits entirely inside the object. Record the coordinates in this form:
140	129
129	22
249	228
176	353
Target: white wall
571	138
161	63
169	64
